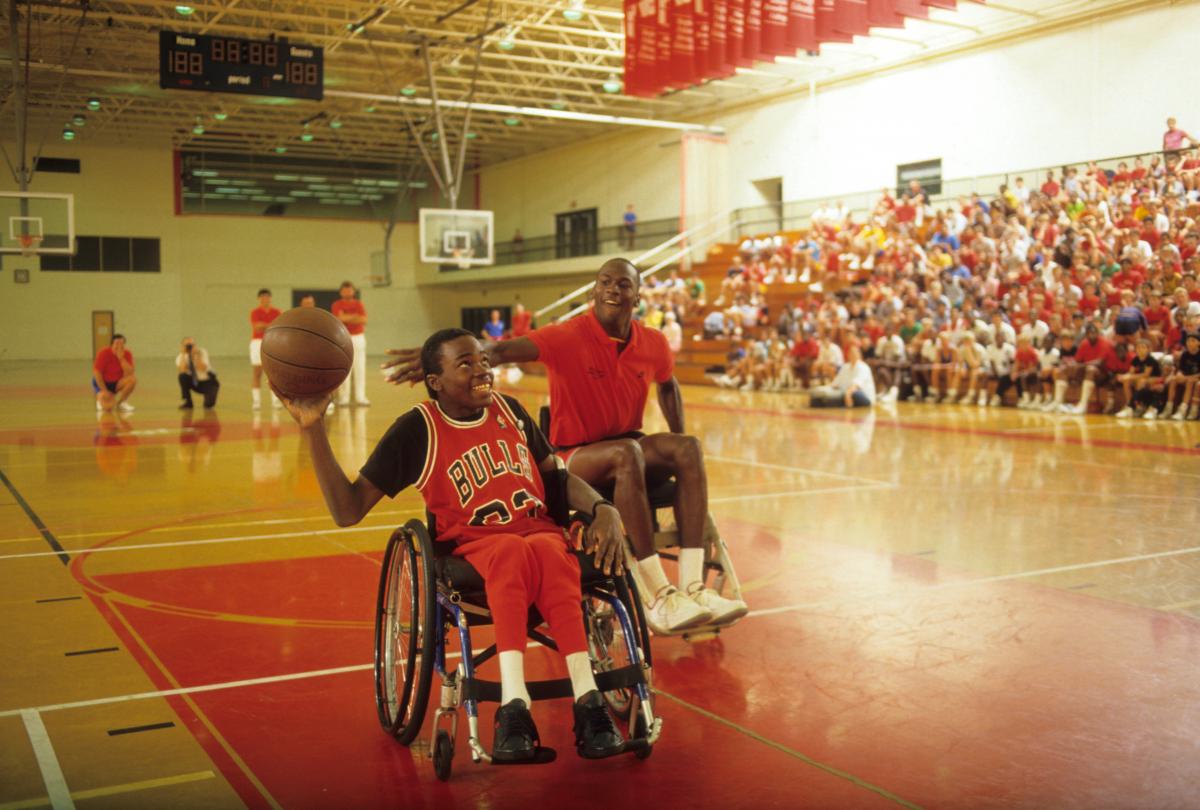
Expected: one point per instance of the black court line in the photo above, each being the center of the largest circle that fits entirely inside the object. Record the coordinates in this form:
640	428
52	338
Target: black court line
56	599
47	535
92	652
113	732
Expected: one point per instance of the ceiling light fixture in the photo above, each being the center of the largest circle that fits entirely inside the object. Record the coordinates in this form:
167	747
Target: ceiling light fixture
612	84
68	133
512	122
559	103
335	124
93	104
184	11
506	42
220	116
279	150
79	120
409	91
306	137
574	10
198	129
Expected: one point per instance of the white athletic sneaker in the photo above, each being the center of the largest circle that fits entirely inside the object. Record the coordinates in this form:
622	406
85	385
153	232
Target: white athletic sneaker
995	401
1180	414
724	611
1023	402
1193	411
891	396
1165	413
1124	413
671	611
126	407
1150	414
363	403
983	399
931	398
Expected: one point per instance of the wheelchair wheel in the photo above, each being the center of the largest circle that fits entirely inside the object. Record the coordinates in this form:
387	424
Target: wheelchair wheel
443	755
606	647
404	632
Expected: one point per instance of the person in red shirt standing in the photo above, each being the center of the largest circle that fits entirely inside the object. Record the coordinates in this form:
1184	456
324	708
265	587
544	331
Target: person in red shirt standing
351	312
260	318
113	379
478	460
522	319
600	367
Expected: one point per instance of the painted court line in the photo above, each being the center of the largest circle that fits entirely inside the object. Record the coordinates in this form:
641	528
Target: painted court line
801	492
52	775
116	790
778	746
966	583
807	471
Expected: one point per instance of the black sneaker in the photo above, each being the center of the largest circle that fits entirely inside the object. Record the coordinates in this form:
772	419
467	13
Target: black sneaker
186	405
516	736
596	737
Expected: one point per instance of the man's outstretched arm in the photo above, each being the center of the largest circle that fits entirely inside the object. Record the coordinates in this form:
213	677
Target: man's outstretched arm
406	363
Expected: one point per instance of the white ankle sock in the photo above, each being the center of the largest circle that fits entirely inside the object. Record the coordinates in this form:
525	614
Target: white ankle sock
256	396
579	666
653	577
512	677
691	567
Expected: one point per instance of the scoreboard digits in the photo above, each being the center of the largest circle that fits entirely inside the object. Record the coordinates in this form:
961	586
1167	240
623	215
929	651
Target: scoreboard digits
232	65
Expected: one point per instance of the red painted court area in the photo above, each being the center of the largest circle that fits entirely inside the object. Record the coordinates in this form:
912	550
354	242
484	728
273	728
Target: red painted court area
863	679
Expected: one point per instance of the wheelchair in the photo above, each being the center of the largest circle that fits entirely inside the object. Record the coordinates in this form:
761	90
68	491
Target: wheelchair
426	595
717	563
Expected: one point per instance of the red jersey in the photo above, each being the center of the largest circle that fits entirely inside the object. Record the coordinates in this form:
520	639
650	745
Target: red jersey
521	322
351	307
1088	351
260	319
596	392
476	477
1026	358
109	366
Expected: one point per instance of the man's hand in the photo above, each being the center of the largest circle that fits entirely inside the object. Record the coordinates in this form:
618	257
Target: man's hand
307	411
606	537
407	365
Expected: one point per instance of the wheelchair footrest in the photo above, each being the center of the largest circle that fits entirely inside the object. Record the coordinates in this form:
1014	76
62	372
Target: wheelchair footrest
541	756
623	678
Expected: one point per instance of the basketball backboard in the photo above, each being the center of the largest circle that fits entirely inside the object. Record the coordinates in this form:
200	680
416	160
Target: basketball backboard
37	224
461	237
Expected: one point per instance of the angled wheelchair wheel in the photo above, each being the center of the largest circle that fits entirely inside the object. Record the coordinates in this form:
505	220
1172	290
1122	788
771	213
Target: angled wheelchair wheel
404	632
606	647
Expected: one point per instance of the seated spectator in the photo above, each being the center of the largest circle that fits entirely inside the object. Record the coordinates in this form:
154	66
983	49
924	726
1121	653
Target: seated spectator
803	356
829	359
522	320
715	325
1000	358
853	387
1137	383
1086	367
1187	372
673	332
1025	373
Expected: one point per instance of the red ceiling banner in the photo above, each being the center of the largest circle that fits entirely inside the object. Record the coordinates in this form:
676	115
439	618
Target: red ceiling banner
883	14
911	8
719	63
647	83
632	74
735	33
683	42
802	26
829	20
663	48
851	17
702	14
775	28
752	50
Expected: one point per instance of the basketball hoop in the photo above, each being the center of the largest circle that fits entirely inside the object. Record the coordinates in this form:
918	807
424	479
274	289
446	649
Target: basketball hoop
30	243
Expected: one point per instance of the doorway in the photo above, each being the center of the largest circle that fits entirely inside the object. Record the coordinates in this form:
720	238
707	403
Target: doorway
575	234
771	192
103	324
473	318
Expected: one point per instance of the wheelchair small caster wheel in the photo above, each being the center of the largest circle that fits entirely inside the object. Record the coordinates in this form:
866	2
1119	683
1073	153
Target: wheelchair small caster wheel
640	731
443	753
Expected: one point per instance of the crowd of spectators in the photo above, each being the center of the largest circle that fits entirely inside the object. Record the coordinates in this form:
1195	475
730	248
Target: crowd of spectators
1080	289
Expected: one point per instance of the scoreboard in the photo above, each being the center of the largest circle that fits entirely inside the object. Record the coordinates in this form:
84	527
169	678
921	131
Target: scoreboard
230	65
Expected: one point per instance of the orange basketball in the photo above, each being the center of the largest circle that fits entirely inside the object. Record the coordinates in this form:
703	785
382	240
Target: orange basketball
306	352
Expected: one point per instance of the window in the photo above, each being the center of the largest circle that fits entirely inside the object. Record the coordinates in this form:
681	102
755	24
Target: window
109	254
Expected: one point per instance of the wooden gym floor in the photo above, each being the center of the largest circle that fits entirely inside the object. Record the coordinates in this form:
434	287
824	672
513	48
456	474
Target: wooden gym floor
952	607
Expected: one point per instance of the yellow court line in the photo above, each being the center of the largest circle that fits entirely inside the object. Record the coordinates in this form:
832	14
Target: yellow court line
778	746
115	790
1180	605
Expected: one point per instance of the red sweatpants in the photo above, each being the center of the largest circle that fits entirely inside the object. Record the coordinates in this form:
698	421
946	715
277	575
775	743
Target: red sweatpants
536	569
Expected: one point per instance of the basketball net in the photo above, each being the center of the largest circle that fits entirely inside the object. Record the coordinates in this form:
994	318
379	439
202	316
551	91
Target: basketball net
29	243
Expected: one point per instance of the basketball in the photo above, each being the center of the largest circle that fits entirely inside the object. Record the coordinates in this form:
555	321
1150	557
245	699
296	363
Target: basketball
306	352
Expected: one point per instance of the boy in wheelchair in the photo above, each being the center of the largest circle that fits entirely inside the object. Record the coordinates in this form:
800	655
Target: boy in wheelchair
477	459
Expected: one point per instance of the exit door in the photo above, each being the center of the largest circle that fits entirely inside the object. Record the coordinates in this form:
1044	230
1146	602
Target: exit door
102	330
575	234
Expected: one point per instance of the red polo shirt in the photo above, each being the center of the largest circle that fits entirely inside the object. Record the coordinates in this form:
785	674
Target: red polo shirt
595	392
109	366
351	307
260	319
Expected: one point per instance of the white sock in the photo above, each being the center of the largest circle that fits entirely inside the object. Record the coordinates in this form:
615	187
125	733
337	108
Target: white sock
691	567
579	666
512	677
256	396
653	577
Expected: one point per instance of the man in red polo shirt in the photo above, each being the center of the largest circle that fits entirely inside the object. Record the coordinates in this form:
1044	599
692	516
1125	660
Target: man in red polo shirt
112	376
600	368
260	318
351	312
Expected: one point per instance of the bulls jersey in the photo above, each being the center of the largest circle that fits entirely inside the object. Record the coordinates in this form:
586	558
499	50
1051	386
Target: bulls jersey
477	477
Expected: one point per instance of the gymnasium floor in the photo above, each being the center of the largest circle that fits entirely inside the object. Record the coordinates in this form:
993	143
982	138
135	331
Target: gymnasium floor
952	608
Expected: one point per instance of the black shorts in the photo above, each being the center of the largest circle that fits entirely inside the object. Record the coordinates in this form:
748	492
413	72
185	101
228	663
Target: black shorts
111	387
